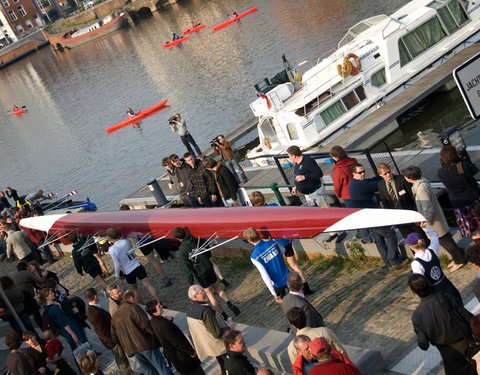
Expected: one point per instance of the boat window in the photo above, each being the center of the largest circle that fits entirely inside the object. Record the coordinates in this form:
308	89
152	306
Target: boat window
359	28
268	131
379	78
451	13
422	38
292	132
313	104
333	112
350	100
360	93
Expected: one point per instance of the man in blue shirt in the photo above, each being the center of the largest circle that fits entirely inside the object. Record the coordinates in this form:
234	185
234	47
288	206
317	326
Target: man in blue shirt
268	258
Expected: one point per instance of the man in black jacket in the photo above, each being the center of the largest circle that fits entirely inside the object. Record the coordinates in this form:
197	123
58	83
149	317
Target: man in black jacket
307	178
396	193
235	362
442	321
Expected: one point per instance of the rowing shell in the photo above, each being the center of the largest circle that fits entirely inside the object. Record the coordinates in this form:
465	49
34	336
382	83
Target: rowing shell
225	222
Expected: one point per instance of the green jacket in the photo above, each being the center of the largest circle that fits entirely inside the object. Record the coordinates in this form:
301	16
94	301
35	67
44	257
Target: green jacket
197	267
84	260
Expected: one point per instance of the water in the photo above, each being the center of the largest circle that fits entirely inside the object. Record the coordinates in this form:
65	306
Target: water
61	144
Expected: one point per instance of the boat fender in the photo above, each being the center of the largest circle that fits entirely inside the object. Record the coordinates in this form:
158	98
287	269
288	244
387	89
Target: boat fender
356	63
345	69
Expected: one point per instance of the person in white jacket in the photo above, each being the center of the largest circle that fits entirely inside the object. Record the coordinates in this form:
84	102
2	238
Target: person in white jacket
124	260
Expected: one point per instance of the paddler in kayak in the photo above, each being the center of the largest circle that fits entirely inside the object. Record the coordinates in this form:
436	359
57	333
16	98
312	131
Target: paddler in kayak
131	113
15	108
233	14
175	37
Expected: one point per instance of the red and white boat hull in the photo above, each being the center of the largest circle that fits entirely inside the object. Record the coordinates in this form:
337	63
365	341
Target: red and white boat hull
226	222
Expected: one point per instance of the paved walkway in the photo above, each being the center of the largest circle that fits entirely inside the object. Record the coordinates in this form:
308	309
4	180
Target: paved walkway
366	305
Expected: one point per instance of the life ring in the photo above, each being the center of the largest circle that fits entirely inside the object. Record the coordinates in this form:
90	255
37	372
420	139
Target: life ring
348	68
345	69
356	65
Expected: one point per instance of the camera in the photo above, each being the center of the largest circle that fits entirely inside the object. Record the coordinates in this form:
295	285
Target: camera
214	142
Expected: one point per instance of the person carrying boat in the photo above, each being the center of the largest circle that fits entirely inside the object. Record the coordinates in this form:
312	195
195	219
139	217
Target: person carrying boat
233	14
175	37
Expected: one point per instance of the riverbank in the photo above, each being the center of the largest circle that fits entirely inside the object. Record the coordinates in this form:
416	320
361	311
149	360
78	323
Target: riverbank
22	48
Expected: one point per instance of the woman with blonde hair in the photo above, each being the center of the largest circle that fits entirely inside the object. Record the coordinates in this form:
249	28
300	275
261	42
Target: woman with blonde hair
427	262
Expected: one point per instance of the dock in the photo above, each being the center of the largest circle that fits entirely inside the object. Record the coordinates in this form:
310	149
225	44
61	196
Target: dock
261	178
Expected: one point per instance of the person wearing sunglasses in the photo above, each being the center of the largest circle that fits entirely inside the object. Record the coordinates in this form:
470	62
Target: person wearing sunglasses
362	193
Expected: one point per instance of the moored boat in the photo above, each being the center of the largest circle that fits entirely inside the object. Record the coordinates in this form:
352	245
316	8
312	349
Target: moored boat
376	60
94	31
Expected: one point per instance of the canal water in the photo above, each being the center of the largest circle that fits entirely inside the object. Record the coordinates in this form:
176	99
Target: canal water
61	143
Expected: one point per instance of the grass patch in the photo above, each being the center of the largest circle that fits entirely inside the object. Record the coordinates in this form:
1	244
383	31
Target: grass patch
339	263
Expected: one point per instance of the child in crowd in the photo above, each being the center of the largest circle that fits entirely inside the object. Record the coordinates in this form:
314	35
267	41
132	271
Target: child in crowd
54	348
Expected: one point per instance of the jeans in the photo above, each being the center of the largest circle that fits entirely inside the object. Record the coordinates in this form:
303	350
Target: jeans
122	360
317	198
187	139
236	169
386	240
152	363
447	242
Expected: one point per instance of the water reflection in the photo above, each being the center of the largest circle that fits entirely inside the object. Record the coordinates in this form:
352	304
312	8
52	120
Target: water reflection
61	144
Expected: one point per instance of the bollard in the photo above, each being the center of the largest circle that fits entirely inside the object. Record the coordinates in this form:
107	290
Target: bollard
157	193
278	195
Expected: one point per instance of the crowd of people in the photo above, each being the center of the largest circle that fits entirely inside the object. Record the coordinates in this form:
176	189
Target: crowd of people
206	182
133	331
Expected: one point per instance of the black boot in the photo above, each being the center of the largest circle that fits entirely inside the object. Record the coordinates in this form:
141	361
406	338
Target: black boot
225	283
306	289
234	308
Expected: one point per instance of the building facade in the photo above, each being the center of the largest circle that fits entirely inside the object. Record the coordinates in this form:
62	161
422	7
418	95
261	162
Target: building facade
7	33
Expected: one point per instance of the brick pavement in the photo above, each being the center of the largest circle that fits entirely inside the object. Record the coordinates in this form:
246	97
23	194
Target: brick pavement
366	306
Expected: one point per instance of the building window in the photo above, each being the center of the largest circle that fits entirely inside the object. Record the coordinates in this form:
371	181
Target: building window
21	11
29	24
15	1
5	3
12	15
20	28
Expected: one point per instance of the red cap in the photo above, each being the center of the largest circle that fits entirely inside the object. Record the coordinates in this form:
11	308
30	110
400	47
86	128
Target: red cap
319	346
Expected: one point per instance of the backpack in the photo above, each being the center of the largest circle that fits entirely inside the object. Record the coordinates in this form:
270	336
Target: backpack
49	324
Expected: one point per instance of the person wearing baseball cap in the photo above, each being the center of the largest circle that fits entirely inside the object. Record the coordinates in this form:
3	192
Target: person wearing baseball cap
330	362
427	262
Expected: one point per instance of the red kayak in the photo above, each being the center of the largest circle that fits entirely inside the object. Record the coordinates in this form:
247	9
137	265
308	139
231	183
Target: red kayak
175	42
232	20
193	29
18	112
140	116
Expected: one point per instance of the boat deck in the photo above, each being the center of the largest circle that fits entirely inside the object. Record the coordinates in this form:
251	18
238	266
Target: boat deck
367	132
